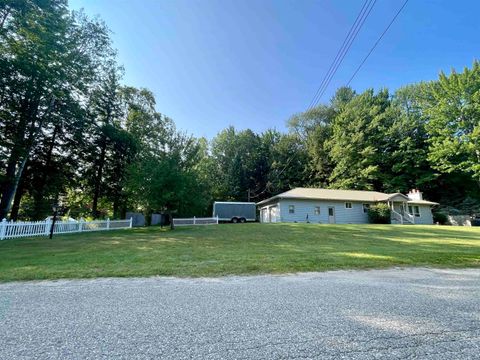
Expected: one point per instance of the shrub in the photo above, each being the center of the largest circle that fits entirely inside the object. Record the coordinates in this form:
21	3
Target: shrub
379	214
439	217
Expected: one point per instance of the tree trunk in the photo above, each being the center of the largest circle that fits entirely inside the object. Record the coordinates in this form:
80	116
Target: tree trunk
7	190
8	185
116	207
21	146
44	178
98	178
4	18
17	200
123	211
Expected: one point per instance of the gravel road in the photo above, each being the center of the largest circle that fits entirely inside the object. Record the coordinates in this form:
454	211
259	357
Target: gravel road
395	314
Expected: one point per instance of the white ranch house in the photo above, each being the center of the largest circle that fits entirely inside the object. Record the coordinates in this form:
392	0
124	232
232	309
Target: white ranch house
326	206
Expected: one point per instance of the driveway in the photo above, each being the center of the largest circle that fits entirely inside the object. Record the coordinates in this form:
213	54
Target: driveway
396	314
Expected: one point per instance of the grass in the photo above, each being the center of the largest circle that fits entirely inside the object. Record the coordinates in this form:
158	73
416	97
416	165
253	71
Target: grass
237	249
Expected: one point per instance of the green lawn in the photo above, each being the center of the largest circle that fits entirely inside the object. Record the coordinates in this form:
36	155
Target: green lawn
237	249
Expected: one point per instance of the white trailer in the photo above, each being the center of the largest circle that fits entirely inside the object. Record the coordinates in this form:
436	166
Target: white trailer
235	212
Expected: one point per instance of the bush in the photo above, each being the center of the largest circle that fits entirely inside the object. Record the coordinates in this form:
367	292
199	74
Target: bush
439	217
379	214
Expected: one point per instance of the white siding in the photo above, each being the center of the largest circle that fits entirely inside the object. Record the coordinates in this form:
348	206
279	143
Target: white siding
426	217
355	215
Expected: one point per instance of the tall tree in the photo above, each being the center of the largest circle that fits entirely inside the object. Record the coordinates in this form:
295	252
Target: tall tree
287	167
237	164
408	143
314	128
358	142
47	59
453	108
106	112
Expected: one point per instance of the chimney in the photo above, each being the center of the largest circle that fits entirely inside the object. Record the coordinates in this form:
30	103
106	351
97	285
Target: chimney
415	194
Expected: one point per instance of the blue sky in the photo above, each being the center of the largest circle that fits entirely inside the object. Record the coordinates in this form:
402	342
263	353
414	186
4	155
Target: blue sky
254	63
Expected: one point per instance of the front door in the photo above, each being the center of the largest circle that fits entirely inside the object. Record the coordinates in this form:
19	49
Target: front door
331	215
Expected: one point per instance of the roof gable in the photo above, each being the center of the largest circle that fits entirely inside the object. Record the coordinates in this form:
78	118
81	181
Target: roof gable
397	197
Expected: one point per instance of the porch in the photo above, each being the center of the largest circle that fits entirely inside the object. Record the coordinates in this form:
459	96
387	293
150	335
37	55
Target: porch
398	204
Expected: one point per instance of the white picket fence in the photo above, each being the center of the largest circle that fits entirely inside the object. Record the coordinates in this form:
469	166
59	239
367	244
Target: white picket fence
195	221
11	229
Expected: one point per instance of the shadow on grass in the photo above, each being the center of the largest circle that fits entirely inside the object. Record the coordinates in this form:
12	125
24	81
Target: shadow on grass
236	249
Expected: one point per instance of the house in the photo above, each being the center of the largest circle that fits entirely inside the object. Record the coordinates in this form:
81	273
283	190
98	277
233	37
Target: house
343	206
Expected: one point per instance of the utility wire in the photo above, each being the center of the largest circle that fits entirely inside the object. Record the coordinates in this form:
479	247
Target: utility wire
357	25
376	43
289	160
338	53
342	52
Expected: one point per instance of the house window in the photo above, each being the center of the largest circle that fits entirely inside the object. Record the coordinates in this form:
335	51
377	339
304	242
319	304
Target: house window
317	210
366	207
291	209
414	210
348	205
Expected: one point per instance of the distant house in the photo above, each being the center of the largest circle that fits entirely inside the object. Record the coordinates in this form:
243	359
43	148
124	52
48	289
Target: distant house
343	206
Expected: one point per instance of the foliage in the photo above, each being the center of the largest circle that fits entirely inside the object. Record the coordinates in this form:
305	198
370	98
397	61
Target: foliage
440	218
357	142
48	61
453	108
379	214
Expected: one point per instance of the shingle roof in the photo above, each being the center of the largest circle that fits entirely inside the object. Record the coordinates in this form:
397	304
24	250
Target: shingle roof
343	195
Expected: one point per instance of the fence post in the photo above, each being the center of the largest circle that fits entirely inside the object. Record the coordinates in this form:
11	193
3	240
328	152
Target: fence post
217	219
194	220
48	225
131	222
108	223
3	229
80	225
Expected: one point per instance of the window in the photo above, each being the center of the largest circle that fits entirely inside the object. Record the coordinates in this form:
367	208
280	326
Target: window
291	209
414	210
317	210
366	207
348	205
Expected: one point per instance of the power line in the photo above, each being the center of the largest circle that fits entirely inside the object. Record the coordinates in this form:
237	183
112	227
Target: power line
376	43
342	52
338	53
289	160
329	79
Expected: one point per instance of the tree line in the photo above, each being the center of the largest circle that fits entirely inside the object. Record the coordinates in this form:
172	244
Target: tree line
73	133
